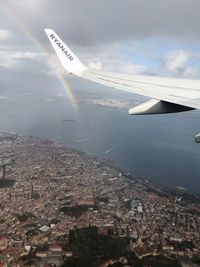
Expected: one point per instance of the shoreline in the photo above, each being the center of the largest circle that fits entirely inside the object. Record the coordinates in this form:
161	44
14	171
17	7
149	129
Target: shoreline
147	181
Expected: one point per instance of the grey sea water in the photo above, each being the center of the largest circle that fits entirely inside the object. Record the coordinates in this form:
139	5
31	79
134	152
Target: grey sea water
158	147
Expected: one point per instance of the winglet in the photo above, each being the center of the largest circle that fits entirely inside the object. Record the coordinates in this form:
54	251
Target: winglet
68	59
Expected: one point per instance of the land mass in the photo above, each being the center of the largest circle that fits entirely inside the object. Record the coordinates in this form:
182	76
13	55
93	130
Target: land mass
65	207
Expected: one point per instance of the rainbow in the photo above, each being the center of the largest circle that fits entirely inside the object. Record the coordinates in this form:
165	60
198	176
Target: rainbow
27	31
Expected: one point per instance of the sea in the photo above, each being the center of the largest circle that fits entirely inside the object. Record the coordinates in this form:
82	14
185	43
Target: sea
159	147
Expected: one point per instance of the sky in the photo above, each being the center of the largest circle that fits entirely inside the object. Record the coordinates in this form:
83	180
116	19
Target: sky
155	37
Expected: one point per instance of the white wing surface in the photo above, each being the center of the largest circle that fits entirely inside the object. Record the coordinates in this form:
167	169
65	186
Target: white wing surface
184	94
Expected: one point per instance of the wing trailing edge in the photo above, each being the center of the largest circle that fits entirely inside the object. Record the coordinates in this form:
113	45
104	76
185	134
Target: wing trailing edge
155	106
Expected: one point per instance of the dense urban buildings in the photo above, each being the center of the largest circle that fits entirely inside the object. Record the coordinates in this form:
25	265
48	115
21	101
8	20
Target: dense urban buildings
52	196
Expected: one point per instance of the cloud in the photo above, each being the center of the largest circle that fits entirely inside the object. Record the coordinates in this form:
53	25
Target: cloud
5	35
28	5
109	21
115	64
191	72
133	68
97	65
10	59
177	62
104	33
92	22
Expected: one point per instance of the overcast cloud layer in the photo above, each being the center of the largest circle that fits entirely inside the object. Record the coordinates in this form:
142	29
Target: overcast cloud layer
97	22
156	37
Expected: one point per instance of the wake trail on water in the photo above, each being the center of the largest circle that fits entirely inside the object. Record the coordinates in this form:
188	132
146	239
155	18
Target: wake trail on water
82	140
119	145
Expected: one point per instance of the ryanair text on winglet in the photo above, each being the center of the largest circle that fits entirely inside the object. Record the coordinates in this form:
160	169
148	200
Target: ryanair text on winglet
53	37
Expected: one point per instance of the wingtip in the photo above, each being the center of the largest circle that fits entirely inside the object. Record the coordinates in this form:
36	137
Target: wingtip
47	30
68	59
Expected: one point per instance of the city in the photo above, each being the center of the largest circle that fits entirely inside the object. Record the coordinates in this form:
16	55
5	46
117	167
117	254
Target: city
48	190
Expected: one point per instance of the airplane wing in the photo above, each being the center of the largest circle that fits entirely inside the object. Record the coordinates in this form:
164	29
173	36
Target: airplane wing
167	95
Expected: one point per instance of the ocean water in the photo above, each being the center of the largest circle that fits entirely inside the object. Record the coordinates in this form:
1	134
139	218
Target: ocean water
160	147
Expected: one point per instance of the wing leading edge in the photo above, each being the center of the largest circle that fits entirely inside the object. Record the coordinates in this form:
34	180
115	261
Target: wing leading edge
168	94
